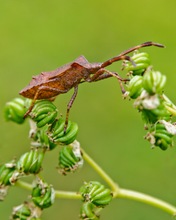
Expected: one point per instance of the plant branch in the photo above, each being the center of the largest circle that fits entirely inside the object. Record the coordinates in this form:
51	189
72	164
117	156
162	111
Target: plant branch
101	172
58	193
147	199
130	194
117	192
169	105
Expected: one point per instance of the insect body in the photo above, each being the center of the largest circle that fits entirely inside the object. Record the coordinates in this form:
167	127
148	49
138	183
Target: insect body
50	84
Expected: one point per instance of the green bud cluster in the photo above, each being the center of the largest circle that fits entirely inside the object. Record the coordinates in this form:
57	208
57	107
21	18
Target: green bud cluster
158	135
96	193
95	196
15	110
41	139
58	135
25	211
6	173
43	195
89	211
146	87
49	130
44	112
70	158
7	177
141	60
153	81
135	86
30	162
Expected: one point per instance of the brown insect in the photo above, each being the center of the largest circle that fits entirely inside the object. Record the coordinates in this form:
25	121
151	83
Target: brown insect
50	84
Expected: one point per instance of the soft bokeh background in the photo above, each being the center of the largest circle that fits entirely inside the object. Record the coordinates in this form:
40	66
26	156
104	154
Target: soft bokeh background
42	35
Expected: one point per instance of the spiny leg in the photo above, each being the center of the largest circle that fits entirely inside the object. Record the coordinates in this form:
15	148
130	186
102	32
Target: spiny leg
37	94
122	56
69	106
32	104
104	74
120	80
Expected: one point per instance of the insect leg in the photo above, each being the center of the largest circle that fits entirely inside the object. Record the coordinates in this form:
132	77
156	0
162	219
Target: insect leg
104	74
37	95
69	106
32	104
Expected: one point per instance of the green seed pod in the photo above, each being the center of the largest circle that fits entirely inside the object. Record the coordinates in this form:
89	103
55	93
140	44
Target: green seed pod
142	62
152	107
159	136
135	86
87	211
6	173
30	162
43	195
26	211
43	113
15	110
42	140
70	158
59	136
153	81
96	193
152	116
21	212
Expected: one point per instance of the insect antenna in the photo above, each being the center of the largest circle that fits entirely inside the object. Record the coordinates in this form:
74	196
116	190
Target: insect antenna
122	56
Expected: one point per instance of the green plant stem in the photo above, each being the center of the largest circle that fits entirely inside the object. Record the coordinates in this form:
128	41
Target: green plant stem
129	194
171	110
58	193
101	172
169	105
117	192
147	199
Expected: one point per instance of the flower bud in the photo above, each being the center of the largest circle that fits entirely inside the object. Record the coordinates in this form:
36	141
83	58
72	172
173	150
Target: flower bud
96	193
30	162
70	158
141	61
43	195
42	140
6	173
153	81
43	113
15	110
58	135
26	211
159	136
88	211
152	107
135	86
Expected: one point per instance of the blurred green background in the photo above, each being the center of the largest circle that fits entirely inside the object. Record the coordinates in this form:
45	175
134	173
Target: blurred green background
42	35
